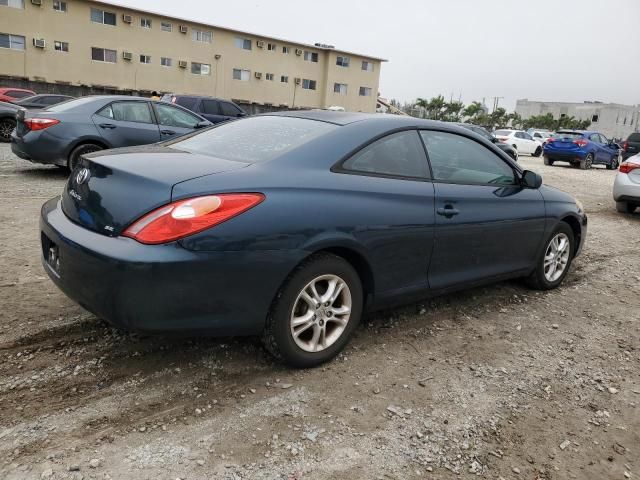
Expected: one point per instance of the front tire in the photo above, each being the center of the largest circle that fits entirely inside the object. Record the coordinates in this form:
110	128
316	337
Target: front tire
625	207
548	161
315	312
6	127
587	162
76	153
554	263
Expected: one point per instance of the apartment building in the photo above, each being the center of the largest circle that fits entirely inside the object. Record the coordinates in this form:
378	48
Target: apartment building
79	44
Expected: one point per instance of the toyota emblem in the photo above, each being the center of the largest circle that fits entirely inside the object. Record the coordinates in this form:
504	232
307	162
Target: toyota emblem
82	176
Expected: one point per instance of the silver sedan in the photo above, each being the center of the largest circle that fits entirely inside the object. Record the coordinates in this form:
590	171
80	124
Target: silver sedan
626	188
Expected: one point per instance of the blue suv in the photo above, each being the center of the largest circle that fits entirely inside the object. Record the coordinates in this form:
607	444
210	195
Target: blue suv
582	149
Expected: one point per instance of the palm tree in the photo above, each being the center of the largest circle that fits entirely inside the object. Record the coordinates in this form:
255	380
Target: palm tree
473	110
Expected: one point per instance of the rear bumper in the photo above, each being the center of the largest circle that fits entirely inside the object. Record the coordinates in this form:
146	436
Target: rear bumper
625	190
162	288
38	147
560	156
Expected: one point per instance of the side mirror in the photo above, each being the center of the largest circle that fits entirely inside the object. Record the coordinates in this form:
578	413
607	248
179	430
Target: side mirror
203	124
242	114
531	179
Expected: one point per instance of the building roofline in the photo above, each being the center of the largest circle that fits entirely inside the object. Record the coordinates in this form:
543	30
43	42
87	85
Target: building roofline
229	29
586	102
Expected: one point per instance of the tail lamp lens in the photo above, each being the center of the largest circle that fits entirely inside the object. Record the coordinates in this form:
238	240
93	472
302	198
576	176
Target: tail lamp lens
627	166
186	217
581	143
40	123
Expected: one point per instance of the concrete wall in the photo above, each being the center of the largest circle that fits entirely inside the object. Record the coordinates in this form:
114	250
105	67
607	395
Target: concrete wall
613	120
76	67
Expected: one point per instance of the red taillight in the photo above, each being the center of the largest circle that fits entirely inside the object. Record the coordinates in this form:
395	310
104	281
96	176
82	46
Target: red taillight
40	123
503	139
628	166
186	217
581	142
625	146
551	139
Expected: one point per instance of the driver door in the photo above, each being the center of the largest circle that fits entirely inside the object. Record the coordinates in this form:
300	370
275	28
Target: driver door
487	225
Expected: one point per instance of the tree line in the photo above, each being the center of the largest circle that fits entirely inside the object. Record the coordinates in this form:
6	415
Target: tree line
438	108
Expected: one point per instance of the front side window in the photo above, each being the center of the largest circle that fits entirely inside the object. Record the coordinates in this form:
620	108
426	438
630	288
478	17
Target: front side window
254	139
308	84
102	16
400	155
58	6
103	55
145	22
367	66
200	68
170	116
458	159
145	59
310	56
205	36
61	46
340	88
12	3
342	61
243	43
210	107
14	42
127	112
243	75
365	91
166	26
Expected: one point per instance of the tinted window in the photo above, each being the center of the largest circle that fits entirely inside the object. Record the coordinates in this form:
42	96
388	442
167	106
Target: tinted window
458	159
175	117
18	94
52	100
128	112
255	139
229	109
400	154
634	137
482	132
569	135
187	102
526	136
210	107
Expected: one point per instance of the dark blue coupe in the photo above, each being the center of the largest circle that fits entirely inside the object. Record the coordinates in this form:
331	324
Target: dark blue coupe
291	225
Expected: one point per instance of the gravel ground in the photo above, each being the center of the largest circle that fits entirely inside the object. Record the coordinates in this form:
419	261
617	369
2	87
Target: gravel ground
496	382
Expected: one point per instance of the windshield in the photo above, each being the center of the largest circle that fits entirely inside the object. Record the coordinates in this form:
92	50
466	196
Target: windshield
255	139
568	135
64	106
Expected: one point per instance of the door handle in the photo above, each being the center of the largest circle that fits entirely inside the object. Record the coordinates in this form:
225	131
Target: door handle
448	211
167	132
107	125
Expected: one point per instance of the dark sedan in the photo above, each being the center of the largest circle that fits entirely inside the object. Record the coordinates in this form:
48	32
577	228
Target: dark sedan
508	149
7	120
60	134
42	100
290	225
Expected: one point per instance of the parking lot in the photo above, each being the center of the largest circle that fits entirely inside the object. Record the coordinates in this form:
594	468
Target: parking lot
500	382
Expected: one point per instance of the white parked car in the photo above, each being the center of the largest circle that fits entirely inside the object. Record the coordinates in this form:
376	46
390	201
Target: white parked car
541	135
626	188
521	141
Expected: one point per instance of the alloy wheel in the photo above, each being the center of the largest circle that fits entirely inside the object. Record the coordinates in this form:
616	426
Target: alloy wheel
6	127
588	162
320	313
556	257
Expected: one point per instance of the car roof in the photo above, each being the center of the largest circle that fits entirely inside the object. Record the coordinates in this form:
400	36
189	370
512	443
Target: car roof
208	97
346	118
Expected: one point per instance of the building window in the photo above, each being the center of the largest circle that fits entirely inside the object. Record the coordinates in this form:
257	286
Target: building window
165	61
308	84
205	36
145	22
594	119
12	4
367	66
102	16
342	61
285	49
145	59
103	55
243	43
269	76
310	56
243	75
200	68
365	91
14	42
271	47
61	46
58	6
165	26
340	88
284	78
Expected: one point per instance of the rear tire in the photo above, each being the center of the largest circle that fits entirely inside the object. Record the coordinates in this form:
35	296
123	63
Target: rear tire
587	162
538	152
542	278
296	300
625	207
6	127
76	153
615	161
548	161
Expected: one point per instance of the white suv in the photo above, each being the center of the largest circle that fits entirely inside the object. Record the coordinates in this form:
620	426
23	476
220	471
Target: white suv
520	140
626	188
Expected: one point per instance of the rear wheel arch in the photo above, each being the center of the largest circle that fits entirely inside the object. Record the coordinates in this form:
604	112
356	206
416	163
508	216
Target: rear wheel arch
81	143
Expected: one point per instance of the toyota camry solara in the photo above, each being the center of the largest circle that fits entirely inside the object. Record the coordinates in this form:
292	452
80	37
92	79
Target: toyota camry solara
291	225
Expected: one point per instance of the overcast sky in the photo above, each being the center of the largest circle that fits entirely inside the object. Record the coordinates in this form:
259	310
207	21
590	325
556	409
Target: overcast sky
555	50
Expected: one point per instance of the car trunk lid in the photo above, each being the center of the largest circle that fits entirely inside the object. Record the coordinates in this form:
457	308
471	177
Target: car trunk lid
109	190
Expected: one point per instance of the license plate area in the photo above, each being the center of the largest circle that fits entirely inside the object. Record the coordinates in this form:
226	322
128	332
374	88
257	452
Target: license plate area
51	254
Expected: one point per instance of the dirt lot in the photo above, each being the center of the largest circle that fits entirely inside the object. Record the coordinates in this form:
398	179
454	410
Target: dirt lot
498	382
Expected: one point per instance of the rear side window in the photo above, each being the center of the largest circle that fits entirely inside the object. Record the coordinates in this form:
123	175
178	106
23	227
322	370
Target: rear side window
187	102
458	159
18	94
400	155
255	139
127	112
634	137
210	107
229	110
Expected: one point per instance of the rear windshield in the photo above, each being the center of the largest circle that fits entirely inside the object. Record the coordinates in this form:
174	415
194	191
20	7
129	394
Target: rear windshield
634	137
568	135
255	139
64	106
504	133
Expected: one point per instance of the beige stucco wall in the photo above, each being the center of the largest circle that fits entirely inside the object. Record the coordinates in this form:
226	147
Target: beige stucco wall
76	28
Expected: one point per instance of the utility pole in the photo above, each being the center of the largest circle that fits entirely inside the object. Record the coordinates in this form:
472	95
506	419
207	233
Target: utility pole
496	101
